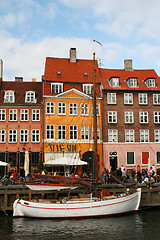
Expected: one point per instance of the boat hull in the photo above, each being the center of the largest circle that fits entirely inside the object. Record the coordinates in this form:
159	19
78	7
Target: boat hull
86	209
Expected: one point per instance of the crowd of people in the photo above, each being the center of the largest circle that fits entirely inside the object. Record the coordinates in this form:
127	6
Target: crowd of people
13	178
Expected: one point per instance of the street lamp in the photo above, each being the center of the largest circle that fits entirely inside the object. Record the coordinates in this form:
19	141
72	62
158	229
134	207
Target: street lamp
63	148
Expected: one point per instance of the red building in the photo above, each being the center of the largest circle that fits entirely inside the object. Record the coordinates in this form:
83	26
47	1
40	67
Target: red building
20	122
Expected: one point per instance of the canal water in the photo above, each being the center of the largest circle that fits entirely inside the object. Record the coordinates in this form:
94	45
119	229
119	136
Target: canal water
145	225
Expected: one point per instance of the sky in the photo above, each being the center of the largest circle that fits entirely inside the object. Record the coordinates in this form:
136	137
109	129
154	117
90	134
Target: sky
31	30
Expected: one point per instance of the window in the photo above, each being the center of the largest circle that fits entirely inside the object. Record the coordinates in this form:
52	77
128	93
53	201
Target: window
30	97
24	136
112	117
84	109
24	114
49	131
9	97
12	136
114	82
35	114
128	98
13	115
143	117
130	158
35	158
144	135
61	132
73	108
73	132
87	88
2	136
61	108
84	132
156	117
132	82
145	157
97	109
157	135
158	157
112	135
111	98
143	99
12	159
129	135
150	83
2	114
56	87
35	136
128	117
156	99
50	107
98	132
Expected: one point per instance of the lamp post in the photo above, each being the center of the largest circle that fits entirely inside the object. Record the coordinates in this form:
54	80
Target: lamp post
63	148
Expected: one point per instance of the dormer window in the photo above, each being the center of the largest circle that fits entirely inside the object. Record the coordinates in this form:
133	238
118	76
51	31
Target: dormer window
58	73
150	82
30	97
56	87
87	88
9	97
85	74
114	82
132	82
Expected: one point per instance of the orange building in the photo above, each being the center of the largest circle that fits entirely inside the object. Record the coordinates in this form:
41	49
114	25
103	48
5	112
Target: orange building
68	110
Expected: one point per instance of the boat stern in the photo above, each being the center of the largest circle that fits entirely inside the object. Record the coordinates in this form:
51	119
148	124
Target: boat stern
16	209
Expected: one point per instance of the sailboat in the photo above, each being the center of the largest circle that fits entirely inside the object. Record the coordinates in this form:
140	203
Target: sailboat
81	207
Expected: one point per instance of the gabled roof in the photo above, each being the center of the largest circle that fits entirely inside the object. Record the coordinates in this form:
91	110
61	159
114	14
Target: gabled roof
124	75
20	89
73	93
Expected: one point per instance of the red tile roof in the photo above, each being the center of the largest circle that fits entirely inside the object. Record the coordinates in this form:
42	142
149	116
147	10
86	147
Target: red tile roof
20	88
123	75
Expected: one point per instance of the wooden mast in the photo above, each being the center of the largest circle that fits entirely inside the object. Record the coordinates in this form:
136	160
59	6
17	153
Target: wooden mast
95	162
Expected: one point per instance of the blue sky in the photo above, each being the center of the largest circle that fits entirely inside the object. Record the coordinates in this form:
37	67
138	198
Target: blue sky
31	30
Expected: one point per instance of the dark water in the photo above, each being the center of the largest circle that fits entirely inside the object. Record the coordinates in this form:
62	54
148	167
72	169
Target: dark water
143	225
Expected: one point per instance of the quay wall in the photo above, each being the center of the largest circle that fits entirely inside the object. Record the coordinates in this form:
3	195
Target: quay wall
150	194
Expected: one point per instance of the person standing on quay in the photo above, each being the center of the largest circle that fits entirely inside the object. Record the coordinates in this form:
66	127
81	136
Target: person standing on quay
14	178
133	174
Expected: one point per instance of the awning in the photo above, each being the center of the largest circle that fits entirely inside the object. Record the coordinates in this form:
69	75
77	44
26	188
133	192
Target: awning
3	164
65	161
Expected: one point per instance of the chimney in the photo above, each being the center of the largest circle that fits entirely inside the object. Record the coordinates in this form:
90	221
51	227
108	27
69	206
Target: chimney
18	79
33	79
128	65
73	55
1	69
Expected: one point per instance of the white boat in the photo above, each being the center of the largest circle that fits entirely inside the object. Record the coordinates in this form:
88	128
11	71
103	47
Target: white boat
50	187
78	208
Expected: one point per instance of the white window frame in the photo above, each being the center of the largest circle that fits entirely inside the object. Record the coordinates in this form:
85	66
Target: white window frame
50	108
12	136
151	83
144	136
85	132
129	135
114	82
156	99
98	132
35	135
30	97
157	117
84	109
87	88
35	115
130	164
56	87
2	136
61	132
12	115
49	131
157	135
143	117
143	98
73	132
24	115
111	98
129	118
132	82
73	109
128	98
24	135
112	116
2	115
112	135
61	108
9	96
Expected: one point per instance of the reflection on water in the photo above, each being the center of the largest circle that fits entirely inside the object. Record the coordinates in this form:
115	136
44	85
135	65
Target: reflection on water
144	225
